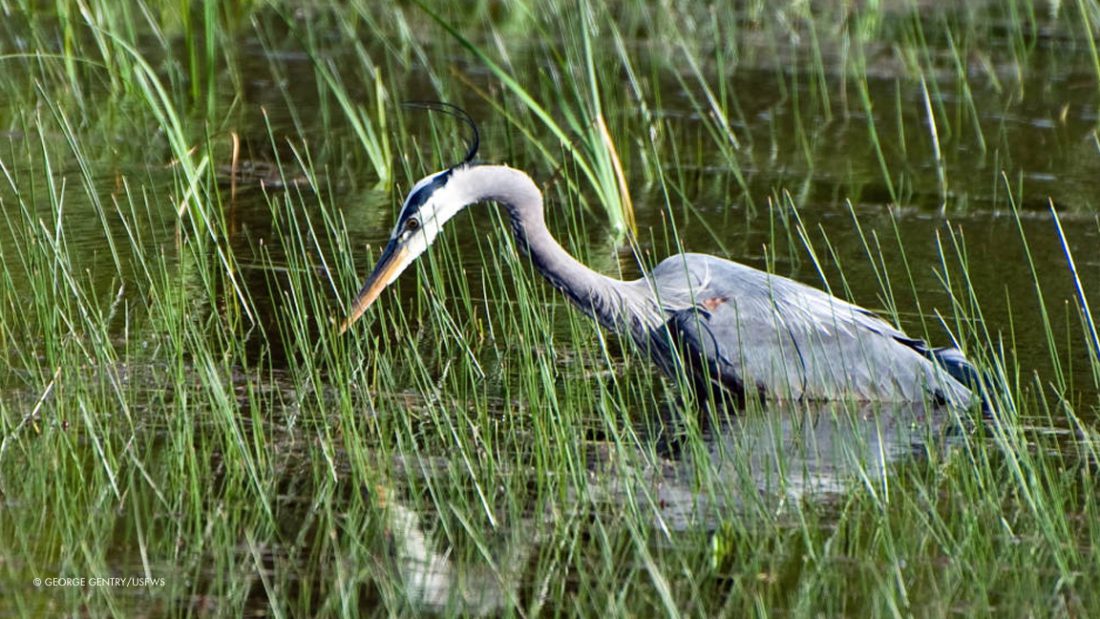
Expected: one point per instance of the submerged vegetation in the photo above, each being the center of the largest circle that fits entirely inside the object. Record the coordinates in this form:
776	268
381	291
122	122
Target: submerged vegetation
190	193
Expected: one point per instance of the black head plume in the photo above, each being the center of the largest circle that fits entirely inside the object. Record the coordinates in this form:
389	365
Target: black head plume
459	113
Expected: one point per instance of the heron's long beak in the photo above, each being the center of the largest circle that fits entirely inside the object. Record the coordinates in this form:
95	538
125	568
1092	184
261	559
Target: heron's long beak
394	259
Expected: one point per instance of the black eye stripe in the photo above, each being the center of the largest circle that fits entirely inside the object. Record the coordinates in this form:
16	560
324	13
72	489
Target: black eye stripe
420	196
417	199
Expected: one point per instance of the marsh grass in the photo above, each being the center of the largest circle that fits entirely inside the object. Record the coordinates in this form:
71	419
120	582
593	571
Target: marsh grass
176	404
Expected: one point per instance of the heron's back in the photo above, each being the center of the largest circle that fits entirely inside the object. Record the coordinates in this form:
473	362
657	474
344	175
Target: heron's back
745	329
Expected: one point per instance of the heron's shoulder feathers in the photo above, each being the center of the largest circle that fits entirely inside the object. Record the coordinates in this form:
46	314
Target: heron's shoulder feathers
705	282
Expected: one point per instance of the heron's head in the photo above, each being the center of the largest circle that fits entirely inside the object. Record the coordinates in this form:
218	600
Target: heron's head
433	201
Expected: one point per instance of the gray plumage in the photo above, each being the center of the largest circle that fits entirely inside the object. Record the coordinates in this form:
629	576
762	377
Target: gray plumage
732	330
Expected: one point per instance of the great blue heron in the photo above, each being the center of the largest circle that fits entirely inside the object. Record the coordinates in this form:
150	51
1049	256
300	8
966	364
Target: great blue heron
731	329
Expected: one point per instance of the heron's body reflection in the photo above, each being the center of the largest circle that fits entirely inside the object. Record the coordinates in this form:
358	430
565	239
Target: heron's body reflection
774	459
779	456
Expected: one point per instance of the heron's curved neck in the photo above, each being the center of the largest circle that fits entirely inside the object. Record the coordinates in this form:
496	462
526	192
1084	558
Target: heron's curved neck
595	294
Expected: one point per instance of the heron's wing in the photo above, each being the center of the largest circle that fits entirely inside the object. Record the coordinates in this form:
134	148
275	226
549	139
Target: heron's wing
791	340
732	344
724	328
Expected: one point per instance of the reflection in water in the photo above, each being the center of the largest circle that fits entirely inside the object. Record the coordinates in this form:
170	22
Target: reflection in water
786	453
436	580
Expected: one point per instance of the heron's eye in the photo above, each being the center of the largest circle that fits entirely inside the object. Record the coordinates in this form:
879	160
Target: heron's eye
412	224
